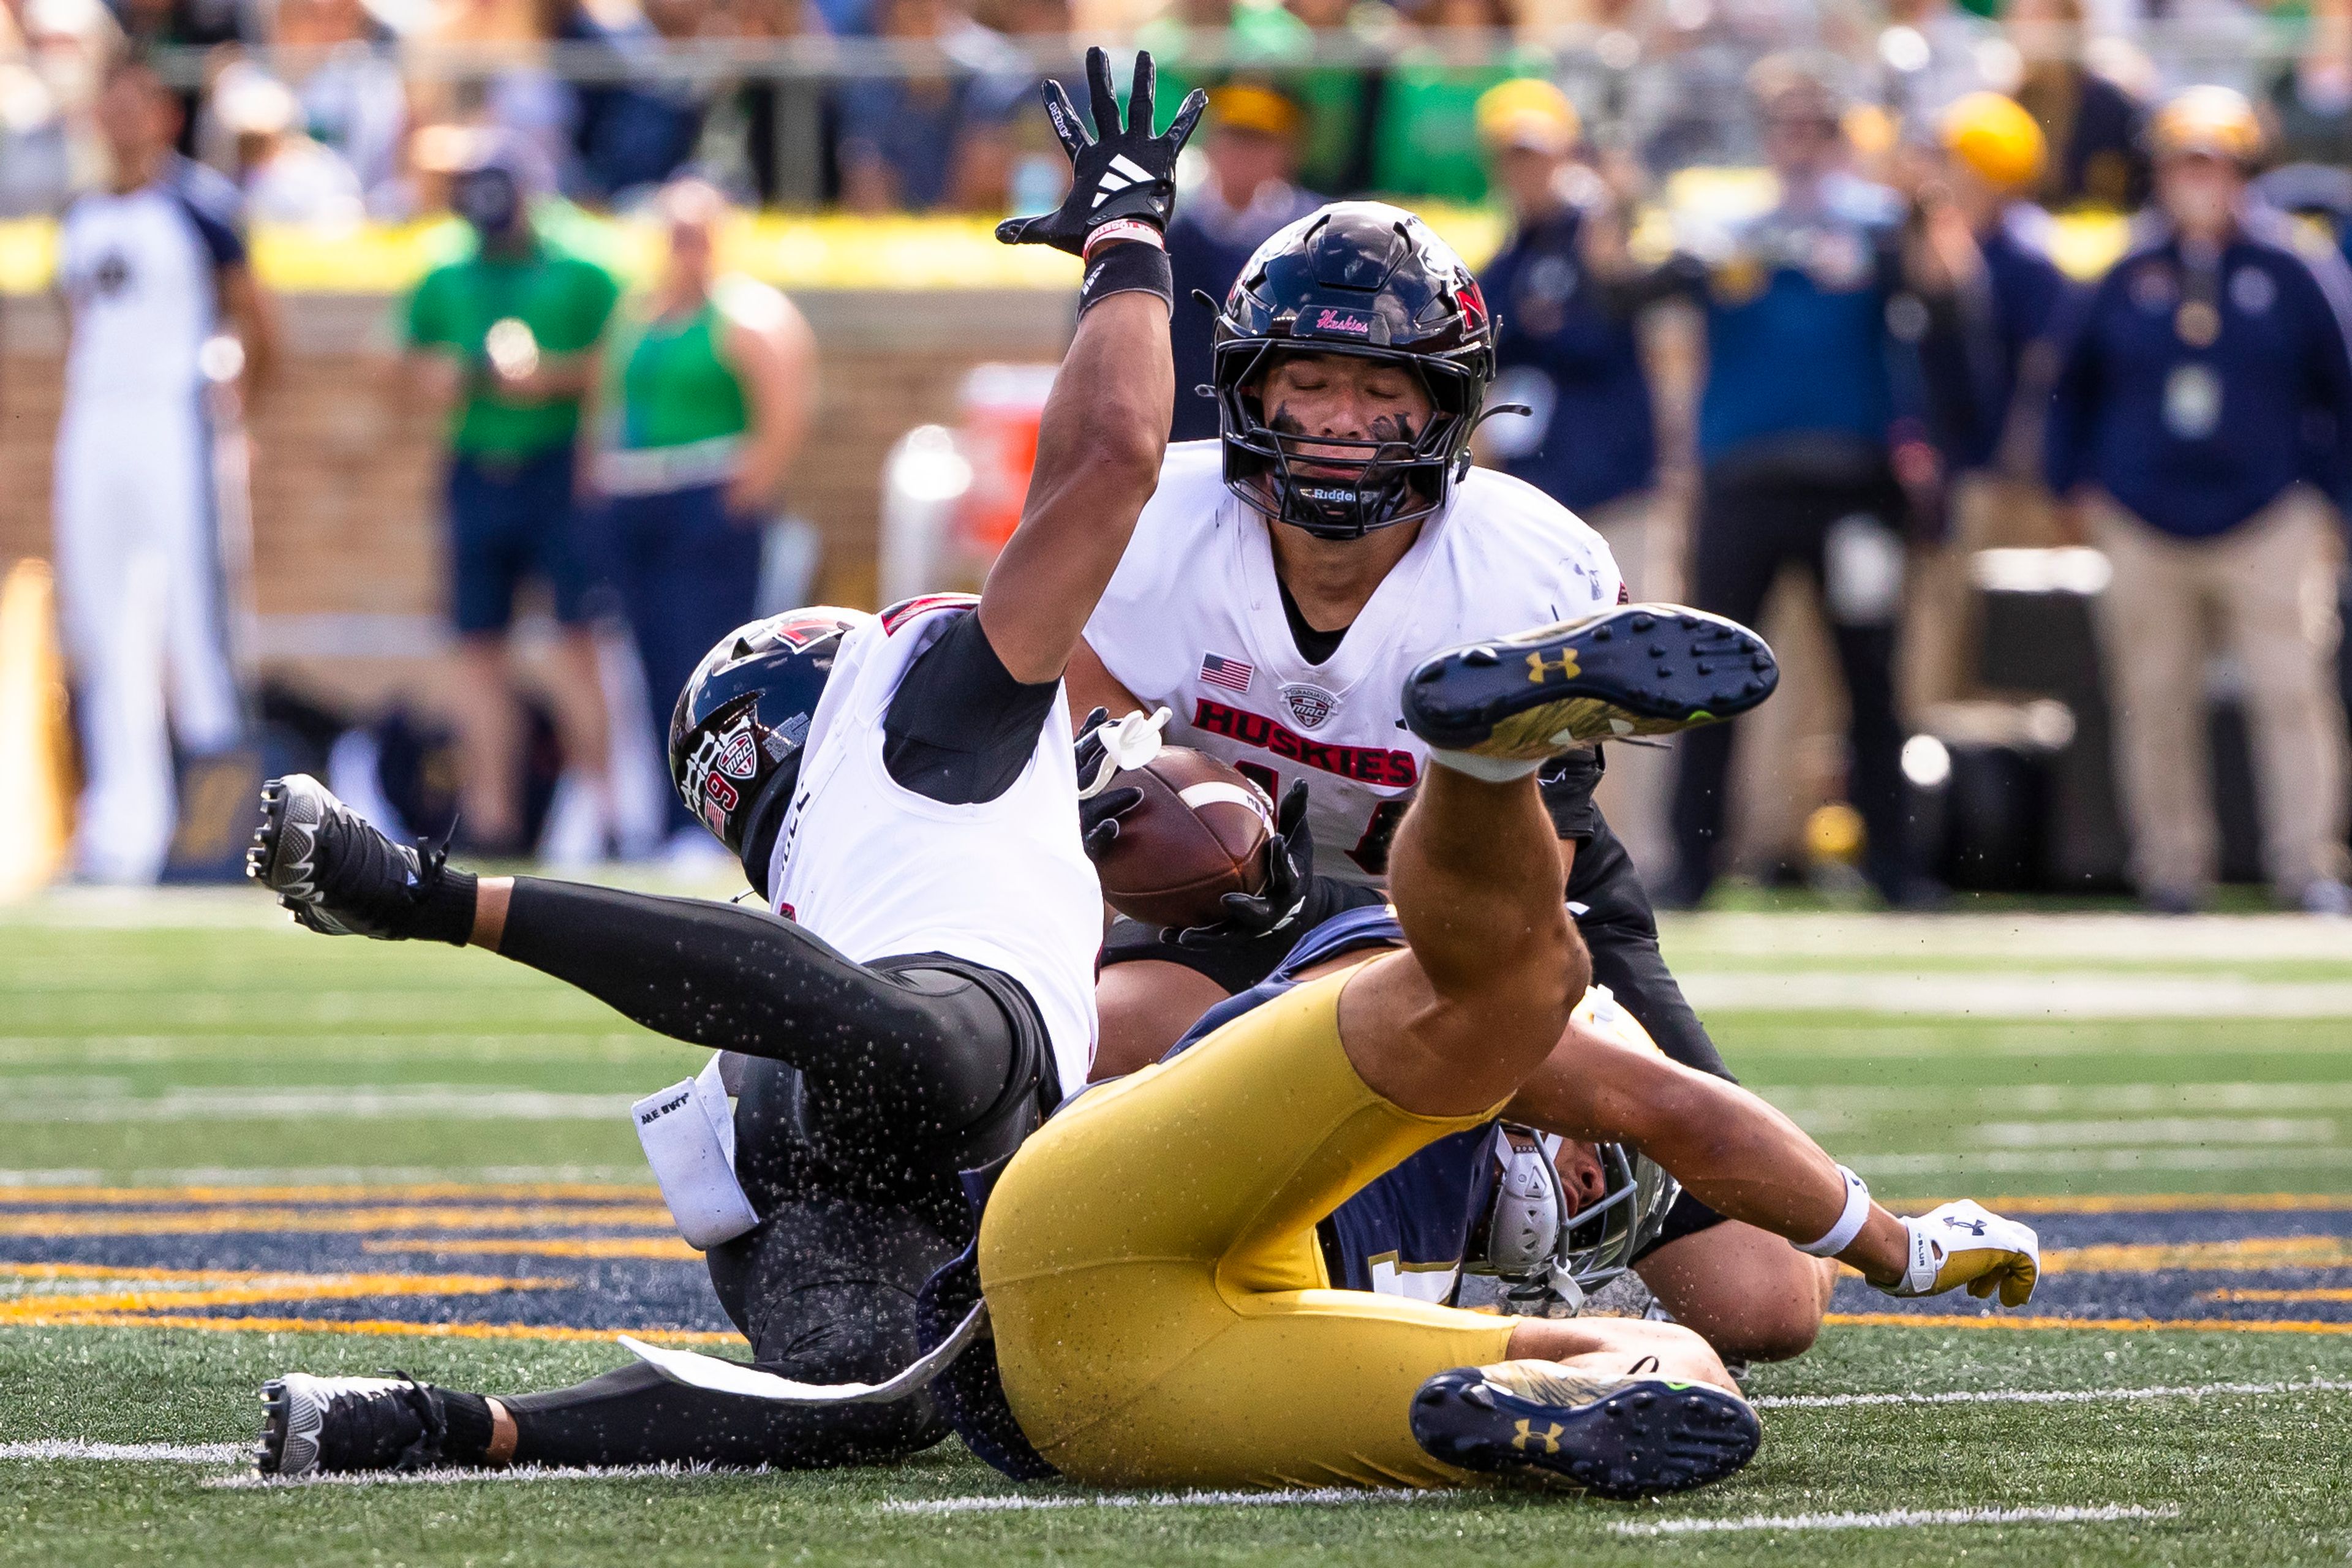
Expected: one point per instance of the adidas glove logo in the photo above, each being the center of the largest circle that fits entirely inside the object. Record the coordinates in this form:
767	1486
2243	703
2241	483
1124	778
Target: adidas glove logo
1122	173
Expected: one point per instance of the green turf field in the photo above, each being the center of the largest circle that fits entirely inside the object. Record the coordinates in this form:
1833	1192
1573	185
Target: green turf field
229	1148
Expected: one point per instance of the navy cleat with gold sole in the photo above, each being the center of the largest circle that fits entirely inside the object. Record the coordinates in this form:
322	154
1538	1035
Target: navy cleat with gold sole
1637	669
1612	1436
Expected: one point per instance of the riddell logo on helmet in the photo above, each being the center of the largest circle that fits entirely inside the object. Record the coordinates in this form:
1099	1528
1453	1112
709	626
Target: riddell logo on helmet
1347	322
1320	492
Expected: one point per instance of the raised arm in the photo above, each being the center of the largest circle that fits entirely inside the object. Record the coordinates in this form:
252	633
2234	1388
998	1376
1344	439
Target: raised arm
1105	425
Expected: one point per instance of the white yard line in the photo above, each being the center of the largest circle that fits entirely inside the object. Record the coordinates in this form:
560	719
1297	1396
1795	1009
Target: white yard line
1312	1497
2021	1161
2085	937
1903	1518
2074	996
521	1475
314	1175
440	1102
74	1450
2046	1395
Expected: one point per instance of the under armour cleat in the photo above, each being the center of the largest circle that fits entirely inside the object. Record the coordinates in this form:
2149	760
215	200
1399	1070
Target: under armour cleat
314	1425
337	872
1637	669
1614	1436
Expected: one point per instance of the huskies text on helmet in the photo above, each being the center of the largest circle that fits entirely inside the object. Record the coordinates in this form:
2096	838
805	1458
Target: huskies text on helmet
1369	281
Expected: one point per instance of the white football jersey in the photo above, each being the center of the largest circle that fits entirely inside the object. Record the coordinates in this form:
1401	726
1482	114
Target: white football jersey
1193	620
880	871
141	274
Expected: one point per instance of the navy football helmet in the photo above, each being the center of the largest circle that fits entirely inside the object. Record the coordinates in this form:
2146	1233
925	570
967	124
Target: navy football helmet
1368	280
737	733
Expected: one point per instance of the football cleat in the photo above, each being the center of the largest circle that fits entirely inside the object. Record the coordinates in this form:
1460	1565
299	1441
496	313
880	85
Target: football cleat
1620	1436
334	869
1636	670
311	1426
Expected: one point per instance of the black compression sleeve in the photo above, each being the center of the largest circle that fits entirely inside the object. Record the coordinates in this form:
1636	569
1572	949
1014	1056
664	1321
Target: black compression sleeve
961	727
917	1053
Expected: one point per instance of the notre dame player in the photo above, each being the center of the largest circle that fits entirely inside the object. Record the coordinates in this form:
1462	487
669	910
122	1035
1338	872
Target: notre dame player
902	789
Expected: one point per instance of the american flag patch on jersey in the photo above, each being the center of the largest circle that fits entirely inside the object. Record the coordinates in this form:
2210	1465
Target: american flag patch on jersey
1219	670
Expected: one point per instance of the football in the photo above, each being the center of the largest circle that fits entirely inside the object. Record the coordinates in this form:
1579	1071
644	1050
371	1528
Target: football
1200	832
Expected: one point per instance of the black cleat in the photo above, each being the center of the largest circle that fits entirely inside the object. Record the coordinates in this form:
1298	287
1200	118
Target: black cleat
1638	670
311	1425
1619	1438
336	871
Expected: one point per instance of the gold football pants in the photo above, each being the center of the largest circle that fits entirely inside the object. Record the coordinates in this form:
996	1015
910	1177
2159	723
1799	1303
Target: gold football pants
1161	1311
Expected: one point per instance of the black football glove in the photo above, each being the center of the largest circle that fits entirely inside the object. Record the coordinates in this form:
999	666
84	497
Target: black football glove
1121	173
1099	813
1290	868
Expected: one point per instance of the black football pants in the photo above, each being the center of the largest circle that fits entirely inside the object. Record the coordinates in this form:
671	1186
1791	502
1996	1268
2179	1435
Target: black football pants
868	1087
1750	526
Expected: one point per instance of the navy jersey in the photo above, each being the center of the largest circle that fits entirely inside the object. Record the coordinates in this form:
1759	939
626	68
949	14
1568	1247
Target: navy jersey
1980	376
1796	337
1588	438
1406	1232
2196	392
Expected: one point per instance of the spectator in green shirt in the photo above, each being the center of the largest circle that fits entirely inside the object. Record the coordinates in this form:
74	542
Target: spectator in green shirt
1425	142
504	337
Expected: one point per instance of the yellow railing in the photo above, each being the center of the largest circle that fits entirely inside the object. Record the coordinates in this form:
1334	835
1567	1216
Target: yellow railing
805	252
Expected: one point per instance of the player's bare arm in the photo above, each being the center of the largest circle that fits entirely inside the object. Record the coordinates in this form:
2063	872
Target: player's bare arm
776	357
1105	425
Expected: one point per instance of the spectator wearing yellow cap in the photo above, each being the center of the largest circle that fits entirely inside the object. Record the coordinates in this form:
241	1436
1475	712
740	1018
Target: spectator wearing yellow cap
2200	419
1983	249
1587	440
1251	146
1986	238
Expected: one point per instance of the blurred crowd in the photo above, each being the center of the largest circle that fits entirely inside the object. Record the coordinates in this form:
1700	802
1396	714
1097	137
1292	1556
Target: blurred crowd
326	112
1779	296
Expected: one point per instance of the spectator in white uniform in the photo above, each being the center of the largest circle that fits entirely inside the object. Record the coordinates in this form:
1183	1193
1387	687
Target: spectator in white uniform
149	268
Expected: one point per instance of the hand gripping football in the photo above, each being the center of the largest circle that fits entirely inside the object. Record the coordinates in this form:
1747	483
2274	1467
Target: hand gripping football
1199	832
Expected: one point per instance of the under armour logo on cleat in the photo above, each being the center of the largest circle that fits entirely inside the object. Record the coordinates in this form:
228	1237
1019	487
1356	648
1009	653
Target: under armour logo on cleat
1527	1436
1565	664
1123	172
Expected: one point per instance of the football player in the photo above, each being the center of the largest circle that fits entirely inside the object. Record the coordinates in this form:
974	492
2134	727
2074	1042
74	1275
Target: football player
902	790
1157	1333
1280	585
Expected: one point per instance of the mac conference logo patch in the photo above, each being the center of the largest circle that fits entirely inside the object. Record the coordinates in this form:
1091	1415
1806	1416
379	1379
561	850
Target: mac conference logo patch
1311	705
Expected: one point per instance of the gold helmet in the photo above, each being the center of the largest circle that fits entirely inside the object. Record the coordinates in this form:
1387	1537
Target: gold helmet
2216	122
1992	135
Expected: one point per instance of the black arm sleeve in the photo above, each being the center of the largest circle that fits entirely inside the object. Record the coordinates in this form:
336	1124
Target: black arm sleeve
961	729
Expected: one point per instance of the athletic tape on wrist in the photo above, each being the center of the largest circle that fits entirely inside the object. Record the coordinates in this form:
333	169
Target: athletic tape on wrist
1849	1225
1129	268
1133	228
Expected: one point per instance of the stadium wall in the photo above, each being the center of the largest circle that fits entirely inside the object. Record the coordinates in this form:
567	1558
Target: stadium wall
346	478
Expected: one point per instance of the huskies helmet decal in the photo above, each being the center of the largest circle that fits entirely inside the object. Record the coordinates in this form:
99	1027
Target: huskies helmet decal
736	735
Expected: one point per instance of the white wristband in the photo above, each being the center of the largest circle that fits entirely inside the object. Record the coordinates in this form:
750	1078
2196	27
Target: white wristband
1849	1224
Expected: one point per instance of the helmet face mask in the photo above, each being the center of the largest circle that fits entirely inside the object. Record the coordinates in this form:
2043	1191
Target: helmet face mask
1545	1259
1361	280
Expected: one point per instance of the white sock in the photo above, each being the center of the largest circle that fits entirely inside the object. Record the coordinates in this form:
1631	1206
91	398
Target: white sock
1494	770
